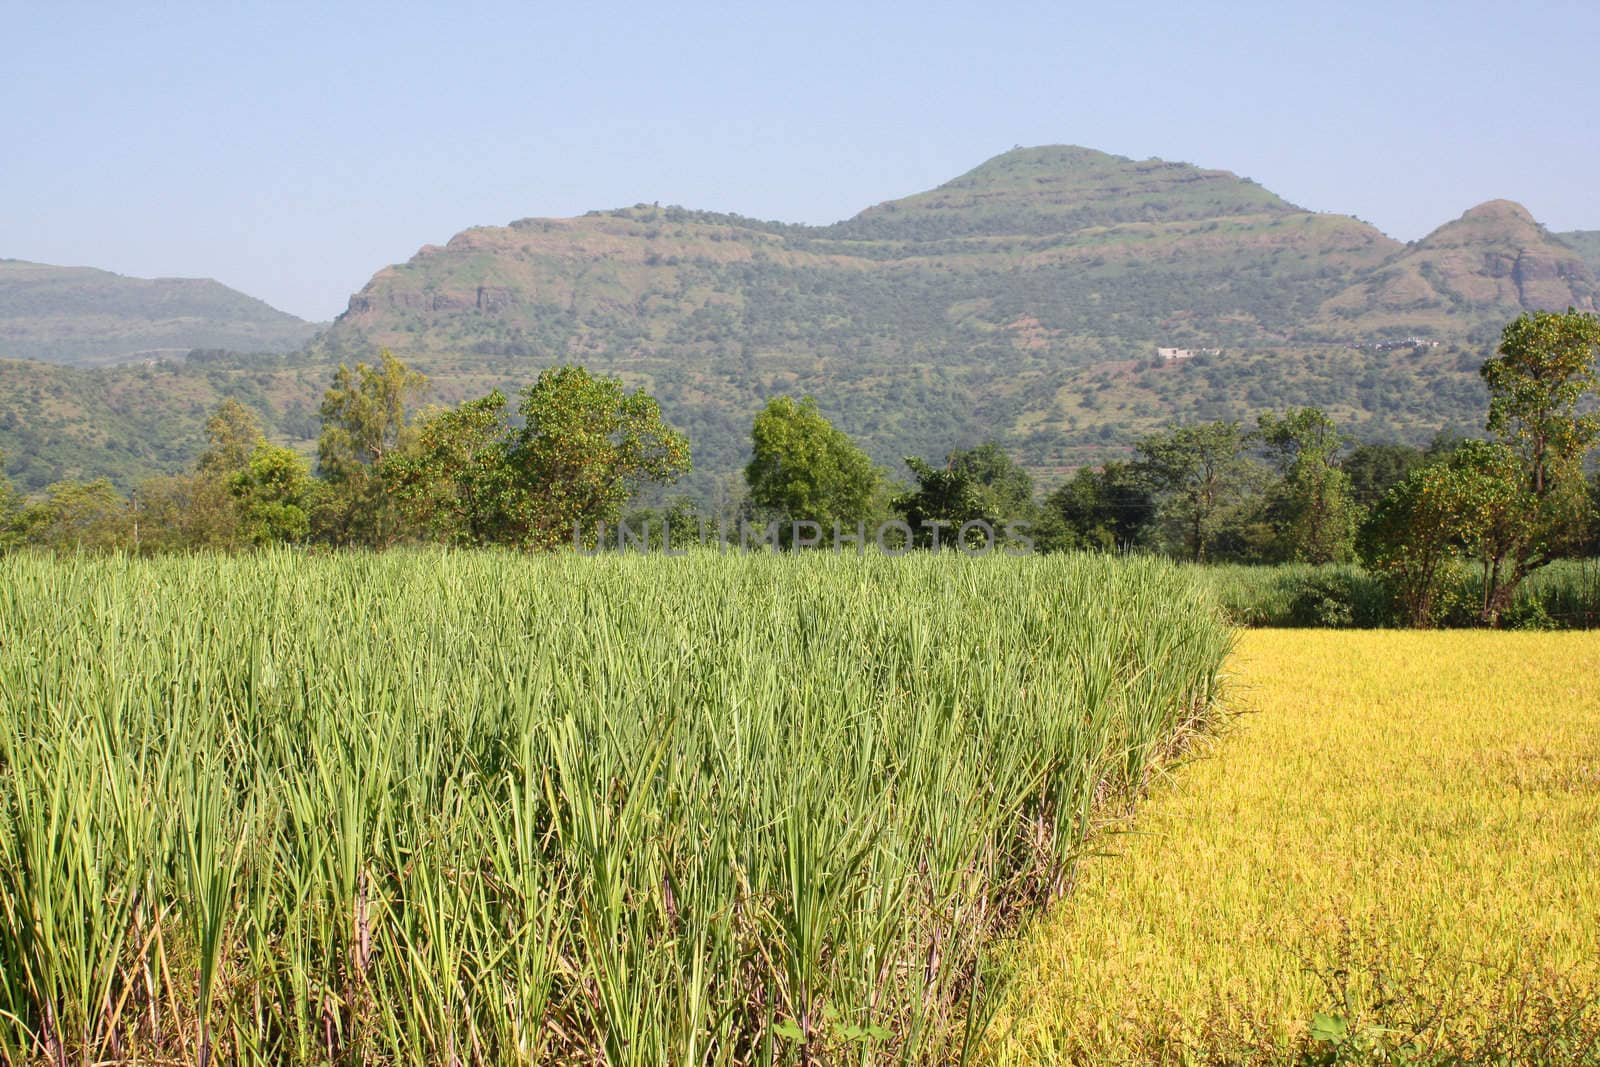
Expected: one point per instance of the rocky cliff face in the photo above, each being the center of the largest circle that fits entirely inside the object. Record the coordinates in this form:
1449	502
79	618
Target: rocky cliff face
1025	299
1494	262
1586	243
1094	252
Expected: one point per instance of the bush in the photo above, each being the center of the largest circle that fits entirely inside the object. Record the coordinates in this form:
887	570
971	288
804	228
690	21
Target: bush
1326	600
1527	614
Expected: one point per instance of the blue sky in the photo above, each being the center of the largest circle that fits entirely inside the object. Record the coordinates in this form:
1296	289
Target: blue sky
292	150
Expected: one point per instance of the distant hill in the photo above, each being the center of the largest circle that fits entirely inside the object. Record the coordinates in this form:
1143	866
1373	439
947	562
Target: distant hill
1488	265
1587	244
130	421
1060	299
86	317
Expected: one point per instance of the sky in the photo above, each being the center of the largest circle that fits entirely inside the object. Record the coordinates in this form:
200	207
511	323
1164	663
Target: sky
292	150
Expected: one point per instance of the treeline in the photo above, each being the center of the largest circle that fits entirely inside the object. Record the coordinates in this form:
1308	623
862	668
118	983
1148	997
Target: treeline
575	450
1291	488
564	463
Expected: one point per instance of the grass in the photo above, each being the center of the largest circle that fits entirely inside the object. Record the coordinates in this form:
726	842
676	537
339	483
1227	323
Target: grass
474	808
1393	853
1563	595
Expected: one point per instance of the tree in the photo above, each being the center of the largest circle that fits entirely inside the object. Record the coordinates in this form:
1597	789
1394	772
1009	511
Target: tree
1110	509
232	433
77	515
584	448
1492	520
454	484
1545	366
1374	469
1310	508
1411	539
1199	473
981	484
803	469
200	510
1543	371
273	492
945	498
363	424
1007	488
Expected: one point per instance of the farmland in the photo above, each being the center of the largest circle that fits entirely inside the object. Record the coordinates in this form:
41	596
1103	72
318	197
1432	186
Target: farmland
1388	858
458	808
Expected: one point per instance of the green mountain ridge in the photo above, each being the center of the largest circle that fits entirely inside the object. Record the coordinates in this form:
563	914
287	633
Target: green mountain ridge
86	317
1026	300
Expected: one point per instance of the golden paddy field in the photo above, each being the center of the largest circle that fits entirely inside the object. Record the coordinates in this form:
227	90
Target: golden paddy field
1391	855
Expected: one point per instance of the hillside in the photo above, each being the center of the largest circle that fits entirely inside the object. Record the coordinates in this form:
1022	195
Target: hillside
86	317
1025	300
132	421
1587	245
1488	265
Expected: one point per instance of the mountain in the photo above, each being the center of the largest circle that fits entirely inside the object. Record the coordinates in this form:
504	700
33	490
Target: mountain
1586	243
1063	189
86	317
1490	264
1059	299
919	324
1064	252
129	421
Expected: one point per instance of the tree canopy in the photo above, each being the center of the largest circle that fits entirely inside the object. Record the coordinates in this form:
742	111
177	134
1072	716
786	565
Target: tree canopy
802	469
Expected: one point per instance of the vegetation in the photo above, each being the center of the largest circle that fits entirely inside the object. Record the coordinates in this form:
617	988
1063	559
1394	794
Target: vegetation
1513	504
78	315
580	448
584	448
978	485
1022	302
1201	474
803	469
1334	884
364	423
1310	507
1564	595
499	808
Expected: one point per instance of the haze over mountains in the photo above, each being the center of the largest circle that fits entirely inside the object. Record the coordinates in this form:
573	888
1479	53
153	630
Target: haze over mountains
1587	244
1060	299
88	317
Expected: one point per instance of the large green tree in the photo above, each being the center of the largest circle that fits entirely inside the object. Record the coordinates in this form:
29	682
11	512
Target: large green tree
454	484
1538	382
803	469
1310	508
1412	537
273	492
1512	504
1109	508
1200	474
981	484
584	447
364	423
